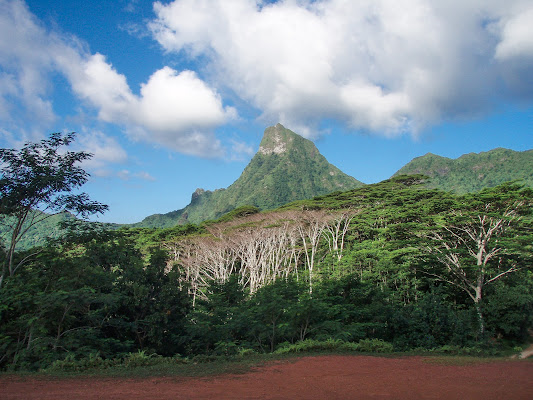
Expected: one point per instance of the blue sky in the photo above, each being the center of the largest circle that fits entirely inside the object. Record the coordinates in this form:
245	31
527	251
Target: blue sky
175	95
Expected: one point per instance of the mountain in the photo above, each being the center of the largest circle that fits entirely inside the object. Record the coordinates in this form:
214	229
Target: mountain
474	171
287	167
38	234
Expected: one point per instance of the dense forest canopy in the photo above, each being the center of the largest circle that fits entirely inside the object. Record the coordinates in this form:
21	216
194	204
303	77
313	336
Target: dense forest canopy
475	171
394	262
389	266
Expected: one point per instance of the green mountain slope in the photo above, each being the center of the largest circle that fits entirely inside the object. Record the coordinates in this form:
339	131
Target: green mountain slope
36	235
475	171
286	168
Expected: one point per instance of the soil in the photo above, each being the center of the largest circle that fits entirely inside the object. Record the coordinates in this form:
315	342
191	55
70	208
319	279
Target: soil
320	377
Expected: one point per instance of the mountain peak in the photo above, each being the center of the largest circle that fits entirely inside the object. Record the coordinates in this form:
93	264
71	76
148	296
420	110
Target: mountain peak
287	167
276	140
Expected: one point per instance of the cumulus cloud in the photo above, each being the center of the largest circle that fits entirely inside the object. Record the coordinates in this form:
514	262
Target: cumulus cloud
26	57
176	110
379	65
516	36
105	149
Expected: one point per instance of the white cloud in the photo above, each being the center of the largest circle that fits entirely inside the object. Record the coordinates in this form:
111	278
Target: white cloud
176	110
98	83
517	36
105	149
145	176
124	174
127	175
26	57
240	151
379	65
177	101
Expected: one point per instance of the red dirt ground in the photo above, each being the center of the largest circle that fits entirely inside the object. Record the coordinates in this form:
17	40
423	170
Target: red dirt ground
321	377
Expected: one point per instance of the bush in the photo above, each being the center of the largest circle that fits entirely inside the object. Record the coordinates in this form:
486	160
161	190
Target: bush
93	361
226	348
364	345
246	352
141	359
374	346
309	345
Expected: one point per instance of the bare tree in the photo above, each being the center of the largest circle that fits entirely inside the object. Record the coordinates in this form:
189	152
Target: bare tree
260	248
473	254
336	230
310	227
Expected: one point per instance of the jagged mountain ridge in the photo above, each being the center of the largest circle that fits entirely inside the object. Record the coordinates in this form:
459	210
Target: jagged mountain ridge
287	167
474	171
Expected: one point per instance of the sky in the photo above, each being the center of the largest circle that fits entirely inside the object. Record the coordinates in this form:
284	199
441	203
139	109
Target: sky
171	96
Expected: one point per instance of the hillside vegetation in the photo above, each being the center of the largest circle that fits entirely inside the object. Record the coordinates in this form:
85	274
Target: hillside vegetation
287	167
385	267
473	172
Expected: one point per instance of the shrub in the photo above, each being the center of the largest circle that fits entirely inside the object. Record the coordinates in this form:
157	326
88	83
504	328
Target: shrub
93	361
141	359
309	345
364	345
246	352
225	348
374	346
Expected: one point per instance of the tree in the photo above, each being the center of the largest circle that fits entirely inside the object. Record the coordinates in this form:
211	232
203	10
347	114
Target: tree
478	242
37	182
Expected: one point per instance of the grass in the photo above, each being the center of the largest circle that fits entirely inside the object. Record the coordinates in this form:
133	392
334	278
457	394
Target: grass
142	365
161	367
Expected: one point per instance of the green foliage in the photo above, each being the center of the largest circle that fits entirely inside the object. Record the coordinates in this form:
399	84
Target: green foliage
217	323
473	172
508	307
311	345
430	323
271	179
95	362
140	359
70	364
109	298
95	296
239	212
269	312
374	346
37	182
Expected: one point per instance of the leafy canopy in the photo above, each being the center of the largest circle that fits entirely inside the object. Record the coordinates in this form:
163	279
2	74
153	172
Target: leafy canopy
40	176
37	182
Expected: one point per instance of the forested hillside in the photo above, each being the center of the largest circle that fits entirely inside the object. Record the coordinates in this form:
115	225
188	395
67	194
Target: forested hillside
287	167
473	172
389	266
37	235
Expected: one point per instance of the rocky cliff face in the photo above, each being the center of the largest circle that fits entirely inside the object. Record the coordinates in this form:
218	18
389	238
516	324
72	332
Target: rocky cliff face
276	140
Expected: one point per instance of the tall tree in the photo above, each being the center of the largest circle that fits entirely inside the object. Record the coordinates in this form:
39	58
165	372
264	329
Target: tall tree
478	242
37	182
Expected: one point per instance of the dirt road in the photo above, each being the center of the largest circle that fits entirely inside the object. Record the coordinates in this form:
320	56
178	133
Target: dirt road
320	377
